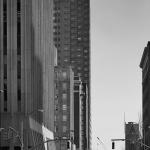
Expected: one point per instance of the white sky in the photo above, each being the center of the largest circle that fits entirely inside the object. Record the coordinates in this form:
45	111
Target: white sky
120	29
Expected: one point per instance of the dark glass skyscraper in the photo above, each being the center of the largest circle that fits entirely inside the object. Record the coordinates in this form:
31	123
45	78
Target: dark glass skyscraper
72	40
145	66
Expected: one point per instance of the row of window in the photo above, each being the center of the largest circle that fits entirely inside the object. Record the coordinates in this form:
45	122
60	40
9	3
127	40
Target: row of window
5	53
64	107
18	53
64	118
64	129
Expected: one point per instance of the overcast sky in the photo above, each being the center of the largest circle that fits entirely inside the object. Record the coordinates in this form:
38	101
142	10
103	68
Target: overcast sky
120	29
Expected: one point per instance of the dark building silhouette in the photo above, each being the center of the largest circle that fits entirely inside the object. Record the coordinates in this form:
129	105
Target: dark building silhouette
145	66
26	73
72	40
132	136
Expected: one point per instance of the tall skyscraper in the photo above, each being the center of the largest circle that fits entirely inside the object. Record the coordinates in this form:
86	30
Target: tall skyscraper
26	73
145	66
72	40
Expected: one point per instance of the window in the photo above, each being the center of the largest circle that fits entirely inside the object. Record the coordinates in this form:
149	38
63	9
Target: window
66	60
64	74
86	75
66	48
64	86
56	107
76	88
85	51
5	97
79	38
18	27
85	69
64	96
56	128
19	69
64	118
79	68
5	27
64	128
5	106
5	71
64	107
19	94
55	118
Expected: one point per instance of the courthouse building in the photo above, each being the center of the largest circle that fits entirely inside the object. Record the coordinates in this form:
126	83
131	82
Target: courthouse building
26	74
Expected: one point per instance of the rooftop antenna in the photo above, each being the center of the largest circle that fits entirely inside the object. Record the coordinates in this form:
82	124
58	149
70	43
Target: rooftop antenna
124	122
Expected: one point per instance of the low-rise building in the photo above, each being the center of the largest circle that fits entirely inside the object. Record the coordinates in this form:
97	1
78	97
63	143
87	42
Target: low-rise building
132	136
64	107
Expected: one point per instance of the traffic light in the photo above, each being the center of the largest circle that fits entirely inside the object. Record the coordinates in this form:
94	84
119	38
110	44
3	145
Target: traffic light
113	145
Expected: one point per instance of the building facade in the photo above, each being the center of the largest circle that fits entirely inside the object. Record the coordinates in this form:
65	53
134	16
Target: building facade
145	66
26	73
132	136
80	113
77	112
72	40
64	110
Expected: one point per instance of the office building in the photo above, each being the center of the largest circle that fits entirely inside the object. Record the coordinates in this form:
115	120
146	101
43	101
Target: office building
26	74
145	66
64	110
72	40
